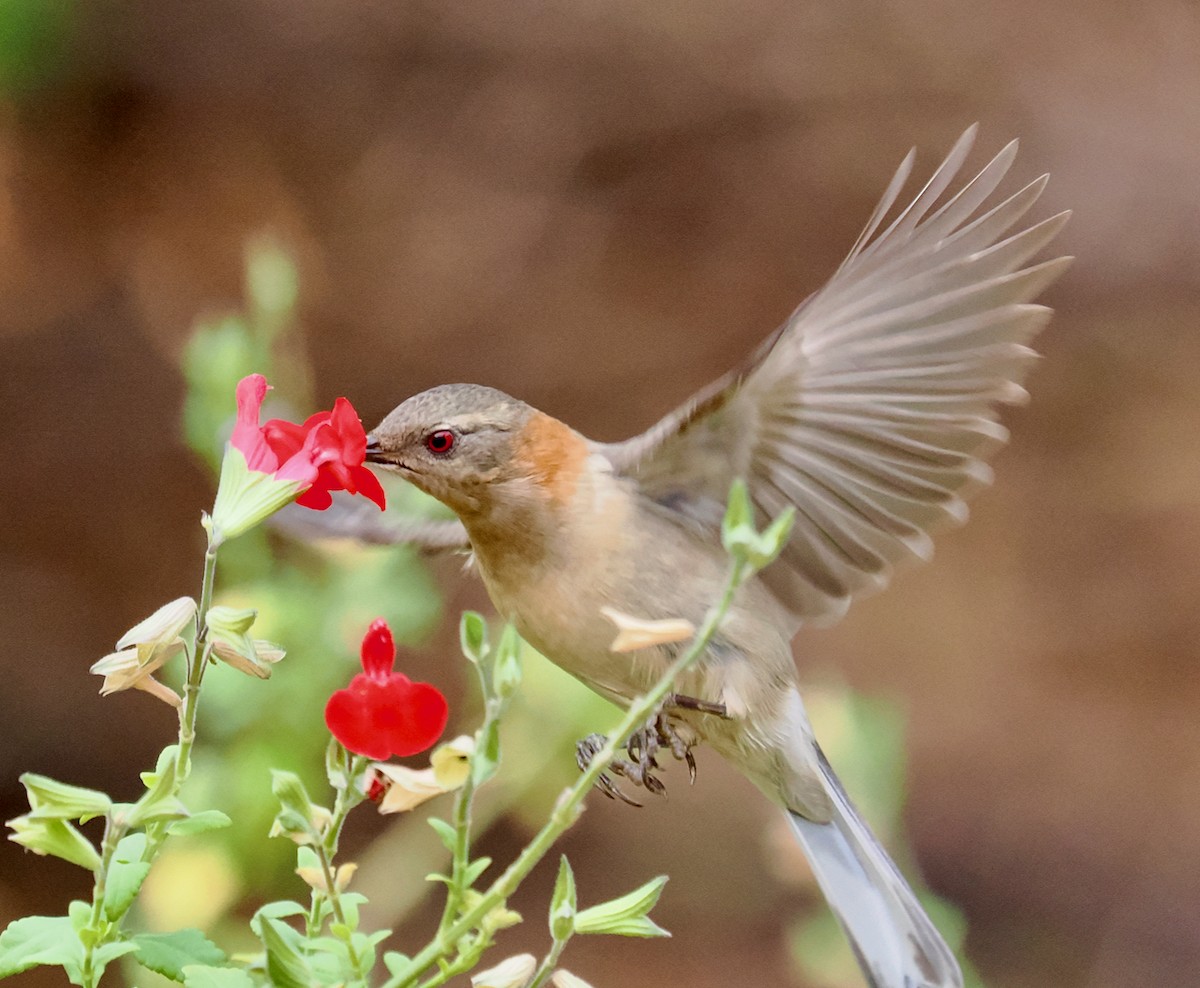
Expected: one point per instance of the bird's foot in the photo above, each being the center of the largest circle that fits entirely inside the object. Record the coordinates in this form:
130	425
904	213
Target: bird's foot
660	733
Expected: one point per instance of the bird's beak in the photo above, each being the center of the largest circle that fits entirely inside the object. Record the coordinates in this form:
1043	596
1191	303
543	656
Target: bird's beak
374	450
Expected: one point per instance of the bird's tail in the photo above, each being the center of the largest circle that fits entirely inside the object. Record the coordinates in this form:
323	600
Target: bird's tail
896	944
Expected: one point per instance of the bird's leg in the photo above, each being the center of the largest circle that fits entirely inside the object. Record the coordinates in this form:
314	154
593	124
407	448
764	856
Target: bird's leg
643	747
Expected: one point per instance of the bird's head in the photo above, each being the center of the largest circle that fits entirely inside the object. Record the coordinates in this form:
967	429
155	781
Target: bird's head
475	448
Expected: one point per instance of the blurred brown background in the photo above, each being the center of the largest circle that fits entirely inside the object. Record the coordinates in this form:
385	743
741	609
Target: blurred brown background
598	207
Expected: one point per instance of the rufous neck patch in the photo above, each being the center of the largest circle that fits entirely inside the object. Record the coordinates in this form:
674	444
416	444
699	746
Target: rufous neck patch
553	455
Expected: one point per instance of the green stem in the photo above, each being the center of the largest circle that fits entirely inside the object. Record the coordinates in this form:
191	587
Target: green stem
326	850
460	965
567	809
546	968
461	853
113	832
198	663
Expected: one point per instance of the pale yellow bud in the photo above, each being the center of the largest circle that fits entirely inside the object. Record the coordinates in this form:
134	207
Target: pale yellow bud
512	973
635	633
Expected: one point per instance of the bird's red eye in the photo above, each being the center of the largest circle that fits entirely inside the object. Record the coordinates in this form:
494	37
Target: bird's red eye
440	442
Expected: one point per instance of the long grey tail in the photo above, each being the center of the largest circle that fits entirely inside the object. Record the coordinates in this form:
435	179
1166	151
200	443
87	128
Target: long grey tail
893	939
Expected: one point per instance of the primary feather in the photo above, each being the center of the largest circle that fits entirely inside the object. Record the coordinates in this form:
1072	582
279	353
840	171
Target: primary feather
873	409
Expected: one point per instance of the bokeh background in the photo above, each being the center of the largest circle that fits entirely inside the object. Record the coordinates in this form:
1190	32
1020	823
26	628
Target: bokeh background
598	207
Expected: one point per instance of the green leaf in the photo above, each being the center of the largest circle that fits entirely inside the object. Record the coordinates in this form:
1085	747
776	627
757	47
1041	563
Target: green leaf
472	633
445	832
286	966
626	915
125	876
277	910
397	964
39	940
198	823
160	800
350	901
169	953
475	869
562	903
51	800
80	914
105	954
201	976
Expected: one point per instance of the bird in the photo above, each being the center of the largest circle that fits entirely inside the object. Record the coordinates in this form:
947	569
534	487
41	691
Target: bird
871	412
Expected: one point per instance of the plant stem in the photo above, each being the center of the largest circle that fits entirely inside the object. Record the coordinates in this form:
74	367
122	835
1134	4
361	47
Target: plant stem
567	809
461	853
113	832
195	673
546	968
326	850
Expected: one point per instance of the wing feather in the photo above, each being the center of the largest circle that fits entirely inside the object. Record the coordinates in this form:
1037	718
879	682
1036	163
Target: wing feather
873	409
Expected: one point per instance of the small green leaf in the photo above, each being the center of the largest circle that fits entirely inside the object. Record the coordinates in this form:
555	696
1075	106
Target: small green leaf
472	633
169	954
80	914
626	915
39	940
475	869
277	910
51	800
397	964
202	976
198	823
562	903
286	966
164	769
306	857
437	876
125	876
104	954
445	832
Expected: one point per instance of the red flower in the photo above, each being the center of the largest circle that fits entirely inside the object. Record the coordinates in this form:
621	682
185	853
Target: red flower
382	712
325	453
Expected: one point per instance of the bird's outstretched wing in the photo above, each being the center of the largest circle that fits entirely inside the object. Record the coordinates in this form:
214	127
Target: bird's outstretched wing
873	408
354	518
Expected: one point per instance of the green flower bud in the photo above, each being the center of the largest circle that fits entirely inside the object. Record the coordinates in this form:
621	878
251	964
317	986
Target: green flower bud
49	799
627	915
55	837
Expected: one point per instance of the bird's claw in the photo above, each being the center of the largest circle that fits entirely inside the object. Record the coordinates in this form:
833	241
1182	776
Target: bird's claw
643	747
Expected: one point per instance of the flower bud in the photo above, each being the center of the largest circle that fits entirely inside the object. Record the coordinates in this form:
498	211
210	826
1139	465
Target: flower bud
562	903
512	973
49	799
625	916
160	629
638	633
54	837
451	762
565	979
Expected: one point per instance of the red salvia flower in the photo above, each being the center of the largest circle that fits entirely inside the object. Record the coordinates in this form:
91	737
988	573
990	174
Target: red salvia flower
325	453
382	712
